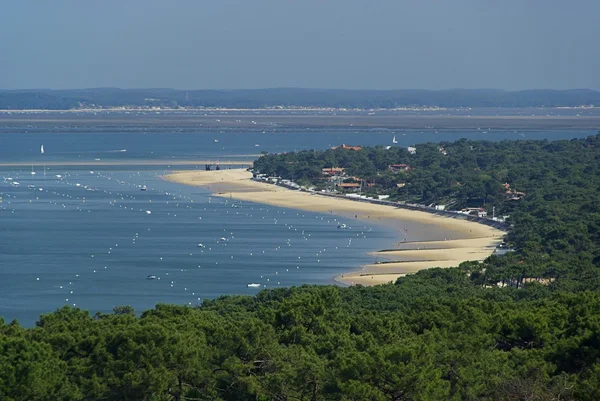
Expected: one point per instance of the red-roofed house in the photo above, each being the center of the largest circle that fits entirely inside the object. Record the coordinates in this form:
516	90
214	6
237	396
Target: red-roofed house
399	167
349	185
347	147
332	171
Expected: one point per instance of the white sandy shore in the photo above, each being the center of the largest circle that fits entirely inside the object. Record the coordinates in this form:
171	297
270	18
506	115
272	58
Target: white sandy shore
462	240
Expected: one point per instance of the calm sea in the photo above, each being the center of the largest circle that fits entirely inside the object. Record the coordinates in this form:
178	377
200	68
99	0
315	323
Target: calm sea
215	146
92	237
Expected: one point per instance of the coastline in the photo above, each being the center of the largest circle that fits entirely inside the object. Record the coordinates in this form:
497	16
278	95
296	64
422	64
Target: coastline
435	241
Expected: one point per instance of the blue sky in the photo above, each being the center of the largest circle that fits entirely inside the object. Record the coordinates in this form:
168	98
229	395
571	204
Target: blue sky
379	44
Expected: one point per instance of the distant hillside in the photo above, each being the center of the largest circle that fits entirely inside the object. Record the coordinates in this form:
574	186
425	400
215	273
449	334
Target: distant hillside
292	97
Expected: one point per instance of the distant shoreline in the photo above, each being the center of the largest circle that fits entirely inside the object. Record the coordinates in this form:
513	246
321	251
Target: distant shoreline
269	121
285	109
467	240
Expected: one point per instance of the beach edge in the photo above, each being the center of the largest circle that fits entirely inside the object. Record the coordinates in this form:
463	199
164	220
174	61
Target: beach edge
476	241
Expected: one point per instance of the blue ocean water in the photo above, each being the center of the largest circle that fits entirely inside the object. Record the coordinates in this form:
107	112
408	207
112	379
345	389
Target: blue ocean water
166	147
86	239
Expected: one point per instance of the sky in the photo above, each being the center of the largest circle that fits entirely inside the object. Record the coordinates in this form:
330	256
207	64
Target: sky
350	44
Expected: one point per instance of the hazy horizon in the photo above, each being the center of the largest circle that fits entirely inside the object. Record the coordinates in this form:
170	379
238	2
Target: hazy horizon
296	88
351	44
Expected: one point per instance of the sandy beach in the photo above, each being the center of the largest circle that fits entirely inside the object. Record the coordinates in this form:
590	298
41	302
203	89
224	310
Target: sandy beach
445	242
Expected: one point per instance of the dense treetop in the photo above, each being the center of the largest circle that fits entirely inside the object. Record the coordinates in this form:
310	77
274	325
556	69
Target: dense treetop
432	336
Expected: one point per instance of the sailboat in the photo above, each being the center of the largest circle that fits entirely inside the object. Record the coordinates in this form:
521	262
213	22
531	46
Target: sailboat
41	152
394	139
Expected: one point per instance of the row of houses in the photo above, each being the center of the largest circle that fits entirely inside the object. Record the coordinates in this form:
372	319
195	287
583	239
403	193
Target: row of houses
473	211
275	180
341	172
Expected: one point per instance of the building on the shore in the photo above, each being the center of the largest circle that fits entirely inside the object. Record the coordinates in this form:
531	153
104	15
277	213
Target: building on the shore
349	186
333	171
347	147
473	211
511	193
399	167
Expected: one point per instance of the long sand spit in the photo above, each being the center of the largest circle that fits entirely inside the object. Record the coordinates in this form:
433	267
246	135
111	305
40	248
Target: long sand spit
462	240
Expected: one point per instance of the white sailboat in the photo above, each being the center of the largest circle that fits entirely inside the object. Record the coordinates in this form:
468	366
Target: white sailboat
394	139
42	152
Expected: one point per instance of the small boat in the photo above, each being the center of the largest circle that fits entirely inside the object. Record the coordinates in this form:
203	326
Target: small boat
201	246
151	277
253	285
42	149
148	212
342	225
32	172
143	188
257	145
216	141
15	183
58	176
222	239
394	139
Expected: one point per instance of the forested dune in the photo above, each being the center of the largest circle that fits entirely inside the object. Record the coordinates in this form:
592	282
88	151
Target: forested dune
432	336
552	198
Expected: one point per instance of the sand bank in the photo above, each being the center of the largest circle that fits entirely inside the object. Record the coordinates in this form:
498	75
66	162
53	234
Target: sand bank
453	240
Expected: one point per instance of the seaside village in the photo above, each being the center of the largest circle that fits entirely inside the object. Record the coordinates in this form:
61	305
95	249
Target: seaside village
338	183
